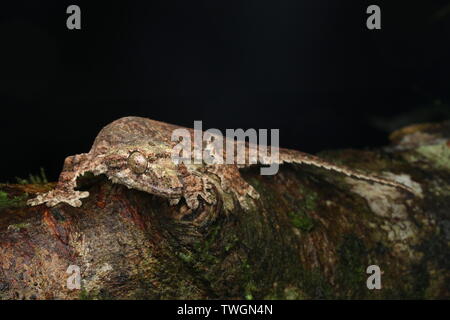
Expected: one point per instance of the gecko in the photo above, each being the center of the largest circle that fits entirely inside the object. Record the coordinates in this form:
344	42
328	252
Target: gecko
137	152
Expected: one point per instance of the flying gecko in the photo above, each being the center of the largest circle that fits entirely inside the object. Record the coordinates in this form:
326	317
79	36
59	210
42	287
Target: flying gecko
137	153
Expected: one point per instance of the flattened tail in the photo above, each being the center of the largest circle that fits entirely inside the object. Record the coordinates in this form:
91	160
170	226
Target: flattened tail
376	179
291	156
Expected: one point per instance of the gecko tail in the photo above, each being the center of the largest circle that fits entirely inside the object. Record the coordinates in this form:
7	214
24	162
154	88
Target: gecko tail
292	156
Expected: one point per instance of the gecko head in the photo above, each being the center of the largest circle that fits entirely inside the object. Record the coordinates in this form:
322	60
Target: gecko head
145	168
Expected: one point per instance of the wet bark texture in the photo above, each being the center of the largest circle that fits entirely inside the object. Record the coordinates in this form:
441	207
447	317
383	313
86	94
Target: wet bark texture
311	235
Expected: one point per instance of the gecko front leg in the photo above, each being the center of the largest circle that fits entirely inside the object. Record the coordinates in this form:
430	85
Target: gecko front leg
74	167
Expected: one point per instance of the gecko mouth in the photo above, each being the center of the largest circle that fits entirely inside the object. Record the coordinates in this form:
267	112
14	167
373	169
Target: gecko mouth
171	193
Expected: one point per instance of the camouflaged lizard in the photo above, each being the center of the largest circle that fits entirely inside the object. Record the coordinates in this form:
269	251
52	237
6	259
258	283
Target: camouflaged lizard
136	152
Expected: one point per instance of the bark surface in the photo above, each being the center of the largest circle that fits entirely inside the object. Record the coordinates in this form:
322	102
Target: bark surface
312	235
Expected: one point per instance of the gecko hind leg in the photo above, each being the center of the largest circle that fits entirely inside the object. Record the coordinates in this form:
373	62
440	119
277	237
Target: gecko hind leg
197	187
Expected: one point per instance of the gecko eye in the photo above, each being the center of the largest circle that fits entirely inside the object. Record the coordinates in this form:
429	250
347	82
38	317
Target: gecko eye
137	162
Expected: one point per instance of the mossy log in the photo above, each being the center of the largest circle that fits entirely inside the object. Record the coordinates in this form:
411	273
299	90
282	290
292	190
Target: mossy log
311	235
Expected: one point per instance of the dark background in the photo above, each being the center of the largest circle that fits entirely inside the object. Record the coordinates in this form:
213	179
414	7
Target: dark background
310	68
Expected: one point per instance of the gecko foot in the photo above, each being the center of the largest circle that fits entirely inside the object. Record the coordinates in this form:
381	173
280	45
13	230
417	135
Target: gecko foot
56	196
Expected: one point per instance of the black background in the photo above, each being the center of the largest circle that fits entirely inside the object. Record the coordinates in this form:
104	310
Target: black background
310	68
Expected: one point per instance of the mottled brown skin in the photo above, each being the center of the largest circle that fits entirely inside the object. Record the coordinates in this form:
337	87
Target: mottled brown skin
136	152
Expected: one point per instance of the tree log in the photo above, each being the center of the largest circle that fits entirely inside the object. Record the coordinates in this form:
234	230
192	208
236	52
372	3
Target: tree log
311	235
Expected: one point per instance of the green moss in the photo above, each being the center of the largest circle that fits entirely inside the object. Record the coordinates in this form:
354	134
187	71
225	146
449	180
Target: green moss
202	259
186	257
259	186
439	154
231	242
249	285
436	257
309	198
352	266
300	218
293	293
14	202
85	295
40	178
202	249
420	280
301	221
249	289
101	294
315	285
183	272
18	226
